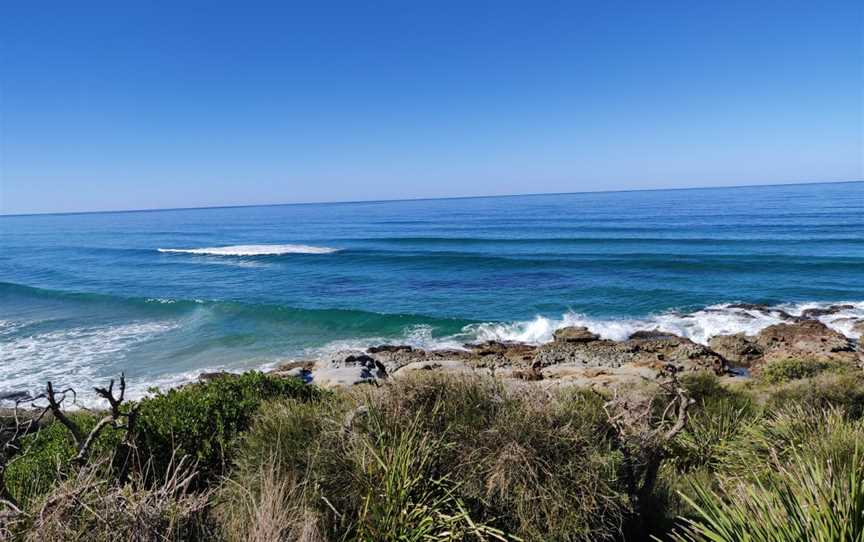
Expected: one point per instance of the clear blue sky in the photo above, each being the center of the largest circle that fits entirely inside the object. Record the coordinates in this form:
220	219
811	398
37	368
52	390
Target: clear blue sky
135	104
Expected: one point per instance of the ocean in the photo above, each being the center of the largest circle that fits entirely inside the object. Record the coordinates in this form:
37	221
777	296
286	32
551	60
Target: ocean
166	295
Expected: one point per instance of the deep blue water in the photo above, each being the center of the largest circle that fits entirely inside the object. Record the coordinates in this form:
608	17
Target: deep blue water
83	296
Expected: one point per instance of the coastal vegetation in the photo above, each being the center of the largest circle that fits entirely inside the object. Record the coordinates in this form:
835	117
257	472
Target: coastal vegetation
437	456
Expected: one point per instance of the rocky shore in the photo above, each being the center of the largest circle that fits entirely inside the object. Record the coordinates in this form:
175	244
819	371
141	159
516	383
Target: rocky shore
576	356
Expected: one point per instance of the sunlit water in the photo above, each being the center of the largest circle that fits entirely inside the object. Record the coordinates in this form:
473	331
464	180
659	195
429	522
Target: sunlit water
164	295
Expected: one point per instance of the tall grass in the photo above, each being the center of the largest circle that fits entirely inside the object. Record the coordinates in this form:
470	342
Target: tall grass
799	475
441	458
87	507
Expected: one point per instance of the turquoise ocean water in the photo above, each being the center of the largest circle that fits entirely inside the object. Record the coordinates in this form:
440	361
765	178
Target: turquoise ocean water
164	295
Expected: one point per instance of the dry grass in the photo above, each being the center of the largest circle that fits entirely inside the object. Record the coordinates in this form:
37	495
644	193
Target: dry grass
434	454
87	507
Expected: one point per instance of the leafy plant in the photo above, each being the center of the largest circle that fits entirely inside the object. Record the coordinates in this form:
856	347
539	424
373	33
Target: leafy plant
788	369
200	421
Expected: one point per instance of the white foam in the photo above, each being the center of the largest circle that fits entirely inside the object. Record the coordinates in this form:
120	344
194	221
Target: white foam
252	250
698	326
77	357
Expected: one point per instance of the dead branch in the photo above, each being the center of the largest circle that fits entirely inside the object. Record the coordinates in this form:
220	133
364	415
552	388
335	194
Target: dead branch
642	438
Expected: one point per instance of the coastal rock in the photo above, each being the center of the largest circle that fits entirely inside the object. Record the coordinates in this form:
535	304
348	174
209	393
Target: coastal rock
739	348
764	309
653	353
13	396
342	377
498	353
390	349
597	353
574	334
802	338
680	351
817	312
651	334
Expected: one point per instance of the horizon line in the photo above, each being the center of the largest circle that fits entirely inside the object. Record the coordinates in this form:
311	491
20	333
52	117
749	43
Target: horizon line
398	200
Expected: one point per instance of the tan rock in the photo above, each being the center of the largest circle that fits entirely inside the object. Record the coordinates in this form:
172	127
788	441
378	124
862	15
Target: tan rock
802	338
575	334
739	348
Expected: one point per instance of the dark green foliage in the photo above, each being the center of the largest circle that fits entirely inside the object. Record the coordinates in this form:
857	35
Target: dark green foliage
779	371
48	455
845	391
443	457
717	415
798	475
200	421
536	467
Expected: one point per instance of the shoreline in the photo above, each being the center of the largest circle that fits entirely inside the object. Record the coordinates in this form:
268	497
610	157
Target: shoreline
611	351
578	356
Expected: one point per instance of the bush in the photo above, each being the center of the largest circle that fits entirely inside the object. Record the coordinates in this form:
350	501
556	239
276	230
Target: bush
799	475
716	417
85	507
844	391
48	454
788	369
200	421
430	454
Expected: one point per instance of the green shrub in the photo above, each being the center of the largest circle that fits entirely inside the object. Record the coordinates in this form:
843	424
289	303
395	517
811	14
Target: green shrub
47	456
788	369
432	452
200	421
844	391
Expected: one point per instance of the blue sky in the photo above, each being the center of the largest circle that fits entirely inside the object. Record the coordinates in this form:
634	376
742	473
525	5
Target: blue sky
127	105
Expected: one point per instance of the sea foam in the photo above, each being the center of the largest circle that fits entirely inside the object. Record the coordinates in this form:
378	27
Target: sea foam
252	250
698	326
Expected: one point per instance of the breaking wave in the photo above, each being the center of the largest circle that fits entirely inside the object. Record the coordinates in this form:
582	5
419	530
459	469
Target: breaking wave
252	250
698	326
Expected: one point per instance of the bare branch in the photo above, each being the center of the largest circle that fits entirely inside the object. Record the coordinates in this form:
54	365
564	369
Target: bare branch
58	413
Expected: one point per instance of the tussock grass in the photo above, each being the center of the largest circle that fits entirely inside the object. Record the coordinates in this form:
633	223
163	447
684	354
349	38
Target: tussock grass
442	458
87	507
455	457
799	475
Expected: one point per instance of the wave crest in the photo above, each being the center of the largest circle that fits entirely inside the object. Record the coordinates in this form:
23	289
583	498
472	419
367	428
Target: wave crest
252	250
698	326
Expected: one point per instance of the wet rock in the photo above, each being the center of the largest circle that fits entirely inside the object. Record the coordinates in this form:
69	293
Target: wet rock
739	348
574	334
390	349
359	359
817	312
763	309
653	353
651	334
14	396
802	338
498	353
760	307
